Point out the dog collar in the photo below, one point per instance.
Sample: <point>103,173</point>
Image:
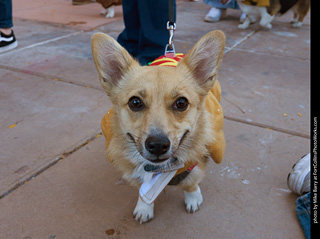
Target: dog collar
<point>181,176</point>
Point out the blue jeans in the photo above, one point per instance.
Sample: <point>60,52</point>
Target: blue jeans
<point>145,35</point>
<point>6,14</point>
<point>217,4</point>
<point>303,209</point>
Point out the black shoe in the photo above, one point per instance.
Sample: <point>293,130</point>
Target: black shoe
<point>7,42</point>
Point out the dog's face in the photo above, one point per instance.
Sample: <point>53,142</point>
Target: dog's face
<point>157,111</point>
<point>158,107</point>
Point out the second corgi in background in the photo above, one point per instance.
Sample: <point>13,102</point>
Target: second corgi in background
<point>266,10</point>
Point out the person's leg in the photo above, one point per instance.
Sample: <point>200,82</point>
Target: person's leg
<point>7,38</point>
<point>154,35</point>
<point>219,10</point>
<point>6,15</point>
<point>299,182</point>
<point>129,37</point>
<point>303,205</point>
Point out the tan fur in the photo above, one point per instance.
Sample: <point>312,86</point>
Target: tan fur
<point>300,8</point>
<point>108,6</point>
<point>109,3</point>
<point>159,87</point>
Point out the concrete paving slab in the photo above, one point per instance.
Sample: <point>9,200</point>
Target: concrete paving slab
<point>191,29</point>
<point>188,33</point>
<point>275,86</point>
<point>267,89</point>
<point>82,196</point>
<point>79,195</point>
<point>67,58</point>
<point>40,120</point>
<point>30,32</point>
<point>84,17</point>
<point>281,40</point>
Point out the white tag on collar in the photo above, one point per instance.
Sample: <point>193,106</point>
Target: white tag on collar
<point>150,190</point>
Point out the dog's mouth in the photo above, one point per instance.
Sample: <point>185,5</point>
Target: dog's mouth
<point>161,167</point>
<point>131,138</point>
<point>161,162</point>
<point>158,160</point>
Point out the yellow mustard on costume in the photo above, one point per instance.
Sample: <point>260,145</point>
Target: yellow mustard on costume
<point>258,3</point>
<point>216,148</point>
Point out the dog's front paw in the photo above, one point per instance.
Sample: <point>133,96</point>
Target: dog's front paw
<point>296,24</point>
<point>143,212</point>
<point>110,15</point>
<point>266,26</point>
<point>269,26</point>
<point>110,12</point>
<point>193,200</point>
<point>243,26</point>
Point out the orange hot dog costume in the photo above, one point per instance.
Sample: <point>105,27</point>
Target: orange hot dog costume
<point>258,3</point>
<point>216,149</point>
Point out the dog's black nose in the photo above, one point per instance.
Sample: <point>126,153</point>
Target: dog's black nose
<point>157,144</point>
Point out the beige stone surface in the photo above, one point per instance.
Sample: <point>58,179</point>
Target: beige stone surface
<point>84,17</point>
<point>83,196</point>
<point>54,179</point>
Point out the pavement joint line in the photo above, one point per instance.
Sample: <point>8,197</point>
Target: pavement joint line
<point>48,77</point>
<point>92,138</point>
<point>269,127</point>
<point>250,34</point>
<point>41,43</point>
<point>234,104</point>
<point>269,54</point>
<point>49,165</point>
<point>227,49</point>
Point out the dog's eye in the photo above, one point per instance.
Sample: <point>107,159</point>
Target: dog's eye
<point>181,104</point>
<point>135,103</point>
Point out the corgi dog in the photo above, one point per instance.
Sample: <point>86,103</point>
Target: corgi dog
<point>162,115</point>
<point>108,6</point>
<point>266,10</point>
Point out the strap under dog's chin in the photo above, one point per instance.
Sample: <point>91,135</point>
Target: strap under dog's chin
<point>152,168</point>
<point>173,165</point>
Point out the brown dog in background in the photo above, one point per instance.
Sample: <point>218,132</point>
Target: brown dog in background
<point>108,6</point>
<point>255,9</point>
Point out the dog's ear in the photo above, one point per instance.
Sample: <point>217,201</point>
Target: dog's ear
<point>204,59</point>
<point>112,60</point>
